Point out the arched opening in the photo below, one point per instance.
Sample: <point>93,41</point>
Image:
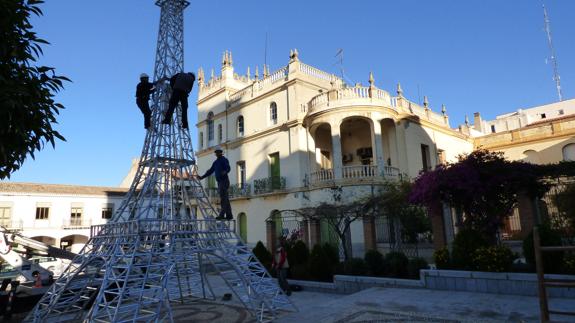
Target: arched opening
<point>569,152</point>
<point>243,226</point>
<point>46,240</point>
<point>210,123</point>
<point>73,243</point>
<point>389,142</point>
<point>273,113</point>
<point>277,218</point>
<point>240,126</point>
<point>323,168</point>
<point>531,156</point>
<point>357,148</point>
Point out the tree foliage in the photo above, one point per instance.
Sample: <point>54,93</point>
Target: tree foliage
<point>393,201</point>
<point>27,106</point>
<point>483,184</point>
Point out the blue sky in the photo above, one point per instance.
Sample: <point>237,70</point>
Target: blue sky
<point>475,55</point>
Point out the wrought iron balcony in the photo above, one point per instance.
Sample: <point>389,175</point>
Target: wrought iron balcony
<point>269,184</point>
<point>240,190</point>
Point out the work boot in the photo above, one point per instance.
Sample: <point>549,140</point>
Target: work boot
<point>219,217</point>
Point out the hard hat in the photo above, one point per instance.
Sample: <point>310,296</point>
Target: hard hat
<point>144,75</point>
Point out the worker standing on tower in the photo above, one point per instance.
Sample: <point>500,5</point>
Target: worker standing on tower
<point>221,167</point>
<point>181,84</point>
<point>143,92</point>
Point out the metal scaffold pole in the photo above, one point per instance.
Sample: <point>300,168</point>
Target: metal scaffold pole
<point>163,238</point>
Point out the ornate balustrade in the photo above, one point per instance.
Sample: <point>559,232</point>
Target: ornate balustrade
<point>342,97</point>
<point>269,184</point>
<point>240,190</point>
<point>355,172</point>
<point>321,175</point>
<point>359,171</point>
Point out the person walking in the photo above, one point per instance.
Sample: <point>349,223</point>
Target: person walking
<point>181,84</point>
<point>281,266</point>
<point>221,168</point>
<point>143,91</point>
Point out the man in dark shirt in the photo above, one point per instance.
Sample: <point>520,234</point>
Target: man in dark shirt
<point>221,168</point>
<point>181,84</point>
<point>143,92</point>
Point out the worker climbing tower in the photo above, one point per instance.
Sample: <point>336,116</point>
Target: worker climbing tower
<point>163,239</point>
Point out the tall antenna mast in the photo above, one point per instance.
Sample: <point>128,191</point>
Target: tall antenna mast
<point>553,58</point>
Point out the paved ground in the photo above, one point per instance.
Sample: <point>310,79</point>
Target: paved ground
<point>419,305</point>
<point>377,305</point>
<point>385,305</point>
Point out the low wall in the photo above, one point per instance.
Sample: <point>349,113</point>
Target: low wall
<point>465,281</point>
<point>494,283</point>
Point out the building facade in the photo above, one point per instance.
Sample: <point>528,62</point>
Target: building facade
<point>294,135</point>
<point>59,215</point>
<point>299,136</point>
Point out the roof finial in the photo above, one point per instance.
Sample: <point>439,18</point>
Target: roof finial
<point>230,59</point>
<point>257,75</point>
<point>213,74</point>
<point>248,74</point>
<point>425,102</point>
<point>466,120</point>
<point>399,89</point>
<point>443,109</point>
<point>371,80</point>
<point>200,75</point>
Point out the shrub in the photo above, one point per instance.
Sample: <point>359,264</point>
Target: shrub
<point>464,245</point>
<point>569,264</point>
<point>320,265</point>
<point>396,265</point>
<point>414,266</point>
<point>441,258</point>
<point>332,253</point>
<point>374,262</point>
<point>263,255</point>
<point>552,261</point>
<point>354,267</point>
<point>298,254</point>
<point>493,259</point>
<point>299,271</point>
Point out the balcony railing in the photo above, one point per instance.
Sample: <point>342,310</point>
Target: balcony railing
<point>359,171</point>
<point>12,224</point>
<point>77,223</point>
<point>321,175</point>
<point>270,184</point>
<point>355,172</point>
<point>240,190</point>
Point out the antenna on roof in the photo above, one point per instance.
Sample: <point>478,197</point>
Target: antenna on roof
<point>553,58</point>
<point>266,51</point>
<point>339,56</point>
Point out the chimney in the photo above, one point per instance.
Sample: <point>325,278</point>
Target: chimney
<point>477,122</point>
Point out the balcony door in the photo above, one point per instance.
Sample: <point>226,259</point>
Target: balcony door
<point>275,170</point>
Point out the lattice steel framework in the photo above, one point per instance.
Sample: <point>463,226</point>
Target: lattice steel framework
<point>163,237</point>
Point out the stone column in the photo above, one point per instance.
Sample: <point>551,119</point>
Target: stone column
<point>271,235</point>
<point>437,226</point>
<point>369,237</point>
<point>305,231</point>
<point>314,233</point>
<point>527,215</point>
<point>378,157</point>
<point>336,149</point>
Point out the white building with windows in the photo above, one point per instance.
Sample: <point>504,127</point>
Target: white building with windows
<point>297,137</point>
<point>59,215</point>
<point>294,135</point>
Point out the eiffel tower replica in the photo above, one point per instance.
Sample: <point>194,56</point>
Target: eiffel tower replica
<point>163,239</point>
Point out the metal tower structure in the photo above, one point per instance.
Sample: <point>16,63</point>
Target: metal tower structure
<point>163,239</point>
<point>553,57</point>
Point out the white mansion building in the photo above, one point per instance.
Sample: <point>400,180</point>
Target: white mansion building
<point>299,136</point>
